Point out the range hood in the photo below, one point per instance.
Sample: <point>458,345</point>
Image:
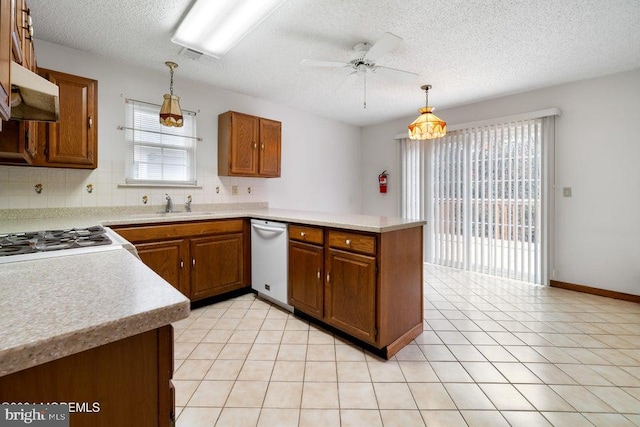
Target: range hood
<point>33,97</point>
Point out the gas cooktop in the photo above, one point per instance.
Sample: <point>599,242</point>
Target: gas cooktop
<point>52,240</point>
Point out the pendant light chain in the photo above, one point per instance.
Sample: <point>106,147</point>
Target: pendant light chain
<point>171,83</point>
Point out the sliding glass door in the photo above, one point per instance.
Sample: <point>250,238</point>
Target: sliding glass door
<point>481,191</point>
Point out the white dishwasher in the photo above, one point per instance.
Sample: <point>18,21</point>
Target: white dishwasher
<point>269,266</point>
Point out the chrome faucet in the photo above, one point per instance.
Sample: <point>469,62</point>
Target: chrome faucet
<point>188,204</point>
<point>169,207</point>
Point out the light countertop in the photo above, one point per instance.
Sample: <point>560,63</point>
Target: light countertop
<point>369,223</point>
<point>51,308</point>
<point>375,224</point>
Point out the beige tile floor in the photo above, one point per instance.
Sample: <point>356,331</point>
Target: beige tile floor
<point>494,352</point>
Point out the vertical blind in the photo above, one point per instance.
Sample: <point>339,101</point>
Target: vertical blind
<point>157,154</point>
<point>481,190</point>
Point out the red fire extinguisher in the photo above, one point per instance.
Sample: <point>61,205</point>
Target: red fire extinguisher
<point>382,180</point>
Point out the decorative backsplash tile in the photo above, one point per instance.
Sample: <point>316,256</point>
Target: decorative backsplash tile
<point>69,188</point>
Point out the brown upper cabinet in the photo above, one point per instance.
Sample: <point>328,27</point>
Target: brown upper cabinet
<point>248,145</point>
<point>5,59</point>
<point>73,141</point>
<point>16,44</point>
<point>70,143</point>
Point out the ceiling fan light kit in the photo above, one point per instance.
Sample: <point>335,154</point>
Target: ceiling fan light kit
<point>214,27</point>
<point>427,125</point>
<point>170,112</point>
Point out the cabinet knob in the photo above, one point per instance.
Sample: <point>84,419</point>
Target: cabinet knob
<point>255,145</point>
<point>348,242</point>
<point>181,264</point>
<point>328,277</point>
<point>319,274</point>
<point>262,146</point>
<point>302,234</point>
<point>193,262</point>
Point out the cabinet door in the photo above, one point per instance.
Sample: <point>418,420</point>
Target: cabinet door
<point>244,144</point>
<point>73,141</point>
<point>167,258</point>
<point>17,6</point>
<point>306,290</point>
<point>18,142</point>
<point>28,52</point>
<point>270,141</point>
<point>216,265</point>
<point>5,59</point>
<point>351,294</point>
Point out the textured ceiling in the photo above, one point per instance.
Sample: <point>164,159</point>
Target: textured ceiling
<point>469,50</point>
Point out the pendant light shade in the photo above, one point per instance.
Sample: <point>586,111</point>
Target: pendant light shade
<point>170,112</point>
<point>427,125</point>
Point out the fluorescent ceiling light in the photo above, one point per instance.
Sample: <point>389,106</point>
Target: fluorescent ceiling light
<point>213,27</point>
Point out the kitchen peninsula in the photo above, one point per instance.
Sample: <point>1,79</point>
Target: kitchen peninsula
<point>104,317</point>
<point>360,275</point>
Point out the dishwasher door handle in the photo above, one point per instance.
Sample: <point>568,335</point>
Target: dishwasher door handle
<point>271,229</point>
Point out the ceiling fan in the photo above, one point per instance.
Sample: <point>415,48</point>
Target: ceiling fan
<point>363,60</point>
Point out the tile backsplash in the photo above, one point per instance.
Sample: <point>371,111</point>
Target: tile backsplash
<point>59,188</point>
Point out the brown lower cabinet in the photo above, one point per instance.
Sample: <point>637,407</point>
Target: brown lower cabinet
<point>367,285</point>
<point>351,293</point>
<point>123,383</point>
<point>166,258</point>
<point>200,259</point>
<point>306,281</point>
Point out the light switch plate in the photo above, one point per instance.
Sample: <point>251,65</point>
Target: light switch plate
<point>234,190</point>
<point>566,192</point>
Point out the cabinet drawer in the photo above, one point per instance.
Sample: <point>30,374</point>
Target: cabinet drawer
<point>352,242</point>
<point>145,233</point>
<point>306,234</point>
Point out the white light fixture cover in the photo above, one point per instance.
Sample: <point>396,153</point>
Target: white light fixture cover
<point>213,27</point>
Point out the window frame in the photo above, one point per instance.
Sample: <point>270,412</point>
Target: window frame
<point>144,132</point>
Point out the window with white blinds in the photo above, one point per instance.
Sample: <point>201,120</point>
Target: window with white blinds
<point>482,192</point>
<point>157,154</point>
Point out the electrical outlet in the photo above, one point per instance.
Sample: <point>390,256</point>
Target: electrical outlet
<point>234,190</point>
<point>566,192</point>
<point>249,190</point>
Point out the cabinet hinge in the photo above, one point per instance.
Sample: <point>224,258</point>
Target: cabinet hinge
<point>26,135</point>
<point>376,268</point>
<point>375,333</point>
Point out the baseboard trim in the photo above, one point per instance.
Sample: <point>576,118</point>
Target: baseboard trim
<point>595,291</point>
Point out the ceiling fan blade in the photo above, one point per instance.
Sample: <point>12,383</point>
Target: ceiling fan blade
<point>330,64</point>
<point>351,77</point>
<point>384,44</point>
<point>395,73</point>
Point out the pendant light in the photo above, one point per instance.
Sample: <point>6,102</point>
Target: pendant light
<point>170,113</point>
<point>427,125</point>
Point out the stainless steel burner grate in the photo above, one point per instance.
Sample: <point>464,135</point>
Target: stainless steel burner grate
<point>52,240</point>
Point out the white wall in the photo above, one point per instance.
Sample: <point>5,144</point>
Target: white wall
<point>597,231</point>
<point>320,157</point>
